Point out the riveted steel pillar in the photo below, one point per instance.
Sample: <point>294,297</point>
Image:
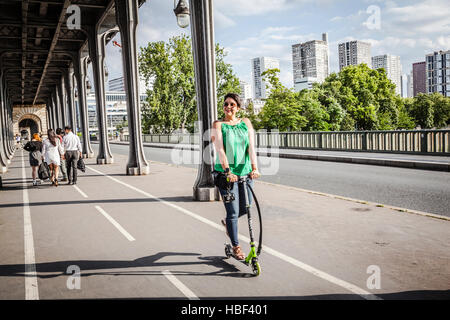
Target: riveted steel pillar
<point>11,145</point>
<point>127,20</point>
<point>3,157</point>
<point>52,105</point>
<point>7,122</point>
<point>97,56</point>
<point>57,107</point>
<point>202,30</point>
<point>62,103</point>
<point>80,70</point>
<point>3,116</point>
<point>68,84</point>
<point>49,116</point>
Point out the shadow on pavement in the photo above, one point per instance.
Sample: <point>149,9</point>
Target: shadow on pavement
<point>59,268</point>
<point>401,295</point>
<point>80,202</point>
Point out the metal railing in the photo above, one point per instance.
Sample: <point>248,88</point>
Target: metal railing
<point>431,142</point>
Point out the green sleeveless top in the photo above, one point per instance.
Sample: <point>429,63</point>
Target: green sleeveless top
<point>236,143</point>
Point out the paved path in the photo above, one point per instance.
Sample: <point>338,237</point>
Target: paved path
<point>422,190</point>
<point>143,237</point>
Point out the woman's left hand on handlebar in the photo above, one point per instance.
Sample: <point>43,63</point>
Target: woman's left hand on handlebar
<point>255,174</point>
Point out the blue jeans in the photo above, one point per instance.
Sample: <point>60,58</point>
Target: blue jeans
<point>236,208</point>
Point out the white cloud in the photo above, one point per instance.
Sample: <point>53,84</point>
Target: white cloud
<point>222,21</point>
<point>256,7</point>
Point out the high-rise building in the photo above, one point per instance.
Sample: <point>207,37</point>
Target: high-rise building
<point>259,65</point>
<point>116,84</point>
<point>310,62</point>
<point>391,64</point>
<point>116,109</point>
<point>409,85</point>
<point>354,53</point>
<point>403,86</point>
<point>246,90</point>
<point>419,78</point>
<point>437,72</point>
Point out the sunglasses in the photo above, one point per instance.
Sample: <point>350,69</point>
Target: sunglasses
<point>231,104</point>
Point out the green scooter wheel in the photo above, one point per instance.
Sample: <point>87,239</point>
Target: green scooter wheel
<point>256,268</point>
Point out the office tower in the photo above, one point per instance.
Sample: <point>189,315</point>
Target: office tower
<point>409,85</point>
<point>354,53</point>
<point>391,64</point>
<point>403,80</point>
<point>116,84</point>
<point>246,90</point>
<point>116,109</point>
<point>310,62</point>
<point>437,72</point>
<point>419,78</point>
<point>259,65</point>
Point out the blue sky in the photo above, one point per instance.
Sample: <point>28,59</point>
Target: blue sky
<point>253,28</point>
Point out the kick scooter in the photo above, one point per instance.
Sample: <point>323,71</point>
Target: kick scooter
<point>252,258</point>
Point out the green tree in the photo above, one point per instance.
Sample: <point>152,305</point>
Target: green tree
<point>441,114</point>
<point>405,121</point>
<point>226,80</point>
<point>168,71</point>
<point>366,95</point>
<point>283,109</point>
<point>422,110</point>
<point>156,66</point>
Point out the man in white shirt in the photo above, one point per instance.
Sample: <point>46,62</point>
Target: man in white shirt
<point>72,145</point>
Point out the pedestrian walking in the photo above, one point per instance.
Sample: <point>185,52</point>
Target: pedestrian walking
<point>18,138</point>
<point>34,147</point>
<point>52,149</point>
<point>60,134</point>
<point>72,145</point>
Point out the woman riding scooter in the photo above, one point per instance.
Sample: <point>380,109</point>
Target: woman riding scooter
<point>234,142</point>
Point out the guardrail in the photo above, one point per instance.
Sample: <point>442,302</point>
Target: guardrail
<point>431,142</point>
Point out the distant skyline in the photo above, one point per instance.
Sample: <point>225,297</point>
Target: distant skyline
<point>256,28</point>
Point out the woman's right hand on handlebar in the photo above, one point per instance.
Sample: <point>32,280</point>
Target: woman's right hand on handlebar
<point>232,177</point>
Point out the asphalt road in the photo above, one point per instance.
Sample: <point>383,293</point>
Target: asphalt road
<point>119,236</point>
<point>422,190</point>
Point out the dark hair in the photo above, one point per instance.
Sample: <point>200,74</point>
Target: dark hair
<point>58,131</point>
<point>233,96</point>
<point>67,128</point>
<point>51,136</point>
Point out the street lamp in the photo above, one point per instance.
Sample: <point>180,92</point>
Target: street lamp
<point>182,13</point>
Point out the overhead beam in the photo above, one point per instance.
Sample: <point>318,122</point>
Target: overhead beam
<point>53,44</point>
<point>24,42</point>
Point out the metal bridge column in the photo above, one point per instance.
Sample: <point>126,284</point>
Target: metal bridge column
<point>205,84</point>
<point>80,69</point>
<point>97,56</point>
<point>127,20</point>
<point>68,84</point>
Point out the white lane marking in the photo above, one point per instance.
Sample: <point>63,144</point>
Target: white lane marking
<point>31,284</point>
<point>81,192</point>
<point>180,286</point>
<point>115,224</point>
<point>319,273</point>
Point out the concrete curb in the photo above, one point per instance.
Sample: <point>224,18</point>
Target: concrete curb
<point>423,165</point>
